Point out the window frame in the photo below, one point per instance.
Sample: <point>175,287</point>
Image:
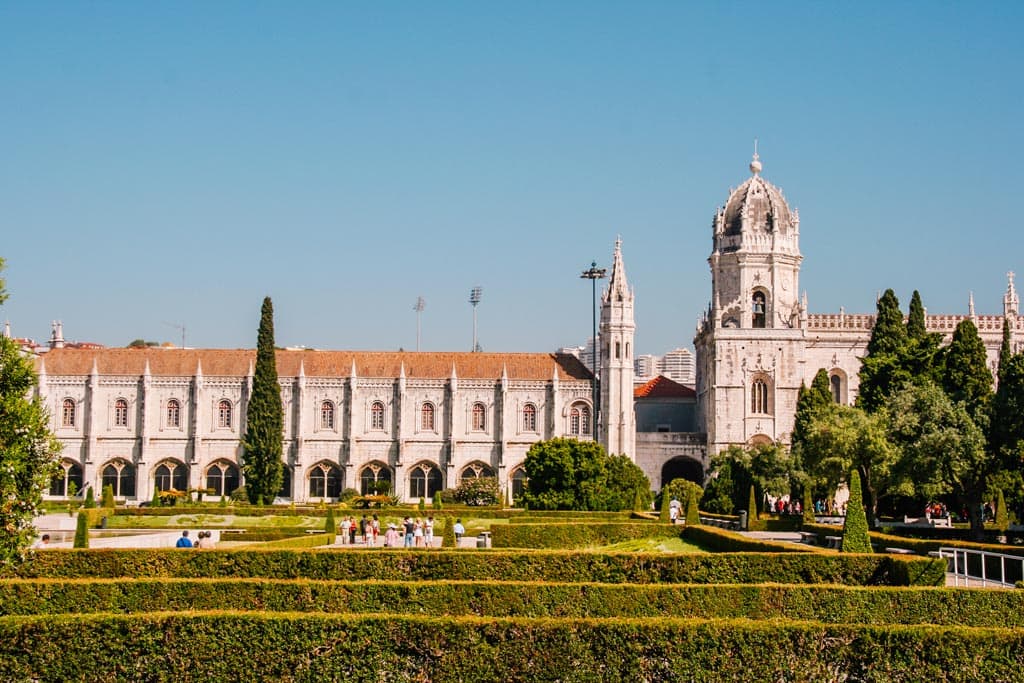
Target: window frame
<point>478,417</point>
<point>172,414</point>
<point>377,412</point>
<point>529,417</point>
<point>121,413</point>
<point>225,414</point>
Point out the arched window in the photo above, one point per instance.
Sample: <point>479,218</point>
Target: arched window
<point>529,418</point>
<point>174,413</point>
<point>375,479</point>
<point>837,388</point>
<point>170,475</point>
<point>67,413</point>
<point>120,476</point>
<point>479,417</point>
<point>224,414</point>
<point>518,483</point>
<point>759,397</point>
<point>120,413</point>
<point>579,419</point>
<point>427,417</point>
<point>759,310</point>
<point>377,415</point>
<point>221,478</point>
<point>68,479</point>
<point>325,480</point>
<point>424,480</point>
<point>476,470</point>
<point>326,415</point>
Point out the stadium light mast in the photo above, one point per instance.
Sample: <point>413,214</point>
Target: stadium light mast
<point>594,274</point>
<point>420,305</point>
<point>475,295</point>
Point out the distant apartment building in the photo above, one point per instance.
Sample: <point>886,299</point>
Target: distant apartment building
<point>678,365</point>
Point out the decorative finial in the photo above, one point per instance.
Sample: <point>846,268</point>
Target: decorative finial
<point>755,163</point>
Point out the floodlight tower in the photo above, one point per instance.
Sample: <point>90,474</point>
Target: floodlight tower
<point>474,298</point>
<point>594,274</point>
<point>420,305</point>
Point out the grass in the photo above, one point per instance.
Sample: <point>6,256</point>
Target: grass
<point>653,545</point>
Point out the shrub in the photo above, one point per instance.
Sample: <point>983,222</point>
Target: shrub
<point>239,495</point>
<point>108,496</point>
<point>156,501</point>
<point>692,499</point>
<point>329,524</point>
<point>90,500</point>
<point>808,504</point>
<point>422,505</point>
<point>665,515</point>
<point>348,494</point>
<point>478,491</point>
<point>855,526</point>
<point>1002,519</point>
<point>448,534</point>
<point>82,531</point>
<point>436,503</point>
<point>576,535</point>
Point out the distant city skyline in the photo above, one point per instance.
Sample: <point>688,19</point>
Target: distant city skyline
<point>169,165</point>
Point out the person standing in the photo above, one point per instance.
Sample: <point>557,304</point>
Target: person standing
<point>410,531</point>
<point>428,532</point>
<point>459,530</point>
<point>346,524</point>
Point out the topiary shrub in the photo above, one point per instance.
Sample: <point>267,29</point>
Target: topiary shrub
<point>448,533</point>
<point>157,501</point>
<point>692,503</point>
<point>437,503</point>
<point>665,515</point>
<point>855,528</point>
<point>808,504</point>
<point>82,531</point>
<point>1002,519</point>
<point>329,524</point>
<point>108,497</point>
<point>422,505</point>
<point>90,501</point>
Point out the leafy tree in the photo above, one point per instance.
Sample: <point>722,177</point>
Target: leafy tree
<point>436,502</point>
<point>966,377</point>
<point>810,403</point>
<point>719,491</point>
<point>941,447</point>
<point>82,531</point>
<point>28,450</point>
<point>921,357</point>
<point>855,527</point>
<point>567,474</point>
<point>478,491</point>
<point>769,467</point>
<point>848,438</point>
<point>681,490</point>
<point>108,496</point>
<point>264,470</point>
<point>883,369</point>
<point>422,505</point>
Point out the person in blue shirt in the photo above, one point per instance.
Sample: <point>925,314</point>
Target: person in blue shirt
<point>184,541</point>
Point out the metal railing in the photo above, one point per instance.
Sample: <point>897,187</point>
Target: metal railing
<point>979,566</point>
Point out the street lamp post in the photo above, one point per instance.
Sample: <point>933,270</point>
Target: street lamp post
<point>420,305</point>
<point>475,295</point>
<point>594,274</point>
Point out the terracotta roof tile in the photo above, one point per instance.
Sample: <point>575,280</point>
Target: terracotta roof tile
<point>236,362</point>
<point>663,387</point>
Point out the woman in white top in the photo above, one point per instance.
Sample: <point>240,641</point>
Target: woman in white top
<point>417,533</point>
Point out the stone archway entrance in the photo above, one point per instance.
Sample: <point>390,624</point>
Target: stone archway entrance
<point>682,467</point>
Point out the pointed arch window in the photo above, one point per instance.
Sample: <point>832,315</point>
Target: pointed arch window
<point>326,415</point>
<point>67,413</point>
<point>424,480</point>
<point>120,413</point>
<point>377,415</point>
<point>174,414</point>
<point>171,475</point>
<point>579,419</point>
<point>68,479</point>
<point>518,483</point>
<point>479,422</point>
<point>224,414</point>
<point>759,397</point>
<point>529,418</point>
<point>120,476</point>
<point>325,480</point>
<point>375,479</point>
<point>222,478</point>
<point>759,308</point>
<point>427,417</point>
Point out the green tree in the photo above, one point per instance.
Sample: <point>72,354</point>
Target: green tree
<point>82,531</point>
<point>108,497</point>
<point>915,319</point>
<point>1006,428</point>
<point>966,377</point>
<point>478,491</point>
<point>941,447</point>
<point>855,526</point>
<point>156,501</point>
<point>720,491</point>
<point>28,450</point>
<point>567,474</point>
<point>810,403</point>
<point>264,470</point>
<point>848,438</point>
<point>883,369</point>
<point>1005,351</point>
<point>769,467</point>
<point>921,357</point>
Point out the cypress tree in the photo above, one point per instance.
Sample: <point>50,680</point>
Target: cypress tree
<point>915,320</point>
<point>82,531</point>
<point>966,377</point>
<point>264,470</point>
<point>883,369</point>
<point>1004,349</point>
<point>108,496</point>
<point>855,528</point>
<point>1006,429</point>
<point>810,403</point>
<point>448,534</point>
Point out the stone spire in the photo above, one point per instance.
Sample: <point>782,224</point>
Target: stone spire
<point>57,335</point>
<point>618,286</point>
<point>1011,303</point>
<point>970,306</point>
<point>7,329</point>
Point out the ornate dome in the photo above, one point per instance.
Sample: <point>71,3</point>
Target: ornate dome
<point>757,206</point>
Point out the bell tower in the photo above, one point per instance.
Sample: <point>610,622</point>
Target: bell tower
<point>617,421</point>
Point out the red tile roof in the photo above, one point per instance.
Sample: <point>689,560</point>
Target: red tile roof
<point>663,387</point>
<point>235,363</point>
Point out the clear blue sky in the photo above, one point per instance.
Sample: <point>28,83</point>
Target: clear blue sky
<point>175,162</point>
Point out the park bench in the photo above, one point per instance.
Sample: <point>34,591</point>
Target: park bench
<point>834,542</point>
<point>900,551</point>
<point>809,537</point>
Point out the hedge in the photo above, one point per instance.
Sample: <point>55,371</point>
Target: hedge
<point>576,534</point>
<point>509,565</point>
<point>830,604</point>
<point>299,647</point>
<point>721,540</point>
<point>307,541</point>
